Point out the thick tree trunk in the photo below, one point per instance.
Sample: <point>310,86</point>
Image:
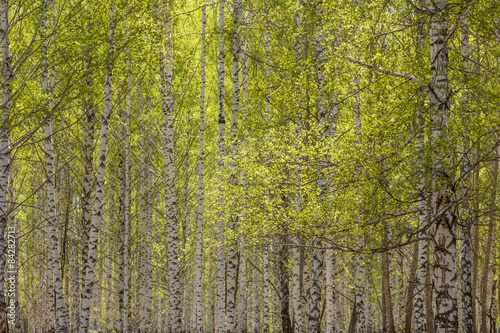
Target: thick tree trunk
<point>423,209</point>
<point>221,270</point>
<point>5,149</point>
<point>86,306</point>
<point>88,152</point>
<point>174,286</point>
<point>265,247</point>
<point>234,219</point>
<point>60,306</point>
<point>330,265</point>
<point>443,205</point>
<point>315,304</point>
<point>466,224</point>
<point>483,298</point>
<point>242,280</point>
<point>298,265</point>
<point>198,303</point>
<point>475,249</point>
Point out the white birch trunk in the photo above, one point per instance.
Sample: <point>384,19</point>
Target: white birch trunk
<point>146,224</point>
<point>265,247</point>
<point>221,269</point>
<point>298,265</point>
<point>423,214</point>
<point>467,214</point>
<point>99,195</point>
<point>242,239</point>
<point>174,286</point>
<point>198,302</point>
<point>265,289</point>
<point>7,76</point>
<point>444,209</point>
<point>125,312</point>
<point>329,291</point>
<point>234,220</point>
<point>88,152</point>
<point>317,259</point>
<point>359,264</point>
<point>53,246</point>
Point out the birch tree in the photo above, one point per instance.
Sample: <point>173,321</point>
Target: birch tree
<point>423,210</point>
<point>5,149</point>
<point>298,264</point>
<point>317,259</point>
<point>199,214</point>
<point>99,194</point>
<point>124,200</point>
<point>60,307</point>
<point>443,205</point>
<point>174,287</point>
<point>221,259</point>
<point>466,250</point>
<point>234,218</point>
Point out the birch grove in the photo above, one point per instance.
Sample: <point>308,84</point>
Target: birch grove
<point>258,166</point>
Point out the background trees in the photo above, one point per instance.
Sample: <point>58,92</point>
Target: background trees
<point>349,186</point>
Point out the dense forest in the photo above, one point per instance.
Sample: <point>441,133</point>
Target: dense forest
<point>250,166</point>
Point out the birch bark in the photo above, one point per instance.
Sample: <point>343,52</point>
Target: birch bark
<point>5,149</point>
<point>483,328</point>
<point>265,247</point>
<point>466,224</point>
<point>232,255</point>
<point>199,215</point>
<point>297,282</point>
<point>174,287</point>
<point>443,206</point>
<point>386,290</point>
<point>423,211</point>
<point>242,280</point>
<point>60,306</point>
<point>323,127</point>
<point>221,273</point>
<point>147,219</point>
<point>99,196</point>
<point>124,180</point>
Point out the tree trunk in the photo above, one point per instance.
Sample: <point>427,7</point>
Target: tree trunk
<point>86,306</point>
<point>124,176</point>
<point>234,219</point>
<point>265,289</point>
<point>199,215</point>
<point>487,250</point>
<point>466,224</point>
<point>174,287</point>
<point>48,90</point>
<point>423,211</point>
<point>5,149</point>
<point>387,281</point>
<point>411,289</point>
<point>221,270</point>
<point>315,304</point>
<point>443,206</point>
<point>298,265</point>
<point>242,239</point>
<point>475,249</point>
